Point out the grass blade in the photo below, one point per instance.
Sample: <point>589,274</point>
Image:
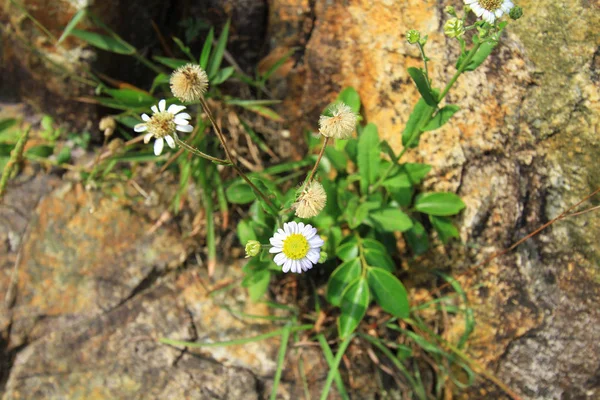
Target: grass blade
<point>72,24</point>
<point>285,335</point>
<point>329,357</point>
<point>217,57</point>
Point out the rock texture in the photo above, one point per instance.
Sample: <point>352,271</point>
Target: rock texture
<point>521,150</point>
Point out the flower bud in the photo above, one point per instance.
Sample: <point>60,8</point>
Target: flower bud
<point>413,36</point>
<point>107,125</point>
<point>515,13</point>
<point>454,28</point>
<point>322,257</point>
<point>450,10</point>
<point>252,248</point>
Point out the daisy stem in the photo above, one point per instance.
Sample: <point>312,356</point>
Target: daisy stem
<point>198,152</point>
<point>425,59</point>
<point>314,170</point>
<point>231,160</point>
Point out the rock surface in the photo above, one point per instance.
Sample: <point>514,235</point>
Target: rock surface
<point>521,150</point>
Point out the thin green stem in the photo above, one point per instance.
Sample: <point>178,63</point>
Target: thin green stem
<point>211,243</point>
<point>198,152</point>
<point>415,134</point>
<point>333,368</point>
<point>425,59</point>
<point>237,169</point>
<point>285,335</point>
<point>236,341</point>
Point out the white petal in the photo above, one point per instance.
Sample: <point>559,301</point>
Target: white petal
<point>477,9</point>
<point>181,121</point>
<point>161,105</point>
<point>275,249</point>
<point>287,265</point>
<point>499,13</point>
<point>184,128</point>
<point>154,109</point>
<point>175,108</point>
<point>145,117</point>
<point>316,242</point>
<point>184,116</point>
<point>170,141</point>
<point>507,6</point>
<point>279,259</point>
<point>293,266</point>
<point>287,228</point>
<point>147,137</point>
<point>276,242</point>
<point>279,236</point>
<point>312,232</point>
<point>158,146</point>
<point>140,128</point>
<point>313,255</point>
<point>298,267</point>
<point>300,227</point>
<point>282,232</point>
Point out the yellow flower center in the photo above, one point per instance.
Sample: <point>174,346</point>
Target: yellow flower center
<point>161,124</point>
<point>490,5</point>
<point>295,246</point>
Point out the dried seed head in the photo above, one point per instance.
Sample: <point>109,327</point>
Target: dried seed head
<point>108,126</point>
<point>189,83</point>
<point>340,125</point>
<point>311,202</point>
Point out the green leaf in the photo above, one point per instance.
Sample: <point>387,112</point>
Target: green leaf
<point>368,156</point>
<point>172,63</point>
<point>348,249</point>
<point>338,158</point>
<point>418,76</point>
<point>103,42</point>
<point>184,48</point>
<point>223,75</point>
<point>351,98</point>
<point>416,171</point>
<point>361,213</point>
<point>444,228</point>
<point>245,232</point>
<point>376,258</point>
<point>440,204</point>
<point>391,219</point>
<point>257,284</point>
<point>417,119</point>
<point>206,49</point>
<point>131,97</point>
<point>240,193</point>
<point>340,278</point>
<point>352,149</point>
<point>214,63</point>
<point>355,301</point>
<point>277,65</point>
<point>441,117</point>
<point>41,151</point>
<point>72,24</point>
<point>160,79</point>
<point>417,238</point>
<point>482,54</point>
<point>7,123</point>
<point>374,245</point>
<point>388,292</point>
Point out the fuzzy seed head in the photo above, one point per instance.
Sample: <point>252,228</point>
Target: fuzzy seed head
<point>161,124</point>
<point>189,83</point>
<point>311,202</point>
<point>340,125</point>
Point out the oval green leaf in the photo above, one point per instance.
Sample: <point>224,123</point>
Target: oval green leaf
<point>376,258</point>
<point>368,156</point>
<point>388,292</point>
<point>348,249</point>
<point>420,80</point>
<point>391,219</point>
<point>340,278</point>
<point>355,301</point>
<point>240,193</point>
<point>441,204</point>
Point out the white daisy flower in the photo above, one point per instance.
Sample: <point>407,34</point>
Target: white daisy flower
<point>298,247</point>
<point>490,10</point>
<point>163,125</point>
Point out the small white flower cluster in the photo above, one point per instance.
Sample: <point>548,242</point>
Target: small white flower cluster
<point>163,125</point>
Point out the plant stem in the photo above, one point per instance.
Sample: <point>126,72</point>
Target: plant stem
<point>425,62</point>
<point>415,135</point>
<point>231,160</point>
<point>328,354</point>
<point>320,156</point>
<point>333,369</point>
<point>198,152</point>
<point>210,222</point>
